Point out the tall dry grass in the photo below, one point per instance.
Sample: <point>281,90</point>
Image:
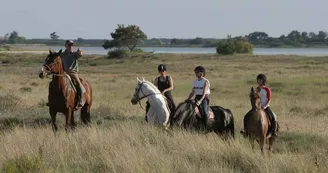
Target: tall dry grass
<point>119,141</point>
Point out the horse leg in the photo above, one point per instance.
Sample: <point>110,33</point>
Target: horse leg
<point>85,114</point>
<point>271,140</point>
<point>68,116</point>
<point>262,143</point>
<point>252,141</point>
<point>73,124</point>
<point>53,119</point>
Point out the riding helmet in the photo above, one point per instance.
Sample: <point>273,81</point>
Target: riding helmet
<point>199,69</point>
<point>161,67</point>
<point>263,77</point>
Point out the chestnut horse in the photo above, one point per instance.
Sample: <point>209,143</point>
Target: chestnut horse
<point>258,123</point>
<point>62,95</point>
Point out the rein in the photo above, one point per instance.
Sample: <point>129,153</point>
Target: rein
<point>139,99</point>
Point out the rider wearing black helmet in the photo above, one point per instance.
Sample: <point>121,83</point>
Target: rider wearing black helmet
<point>201,90</point>
<point>165,84</point>
<point>265,99</point>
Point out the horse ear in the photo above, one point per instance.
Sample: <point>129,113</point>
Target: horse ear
<point>138,79</point>
<point>50,52</point>
<point>252,89</point>
<point>60,51</point>
<point>143,79</point>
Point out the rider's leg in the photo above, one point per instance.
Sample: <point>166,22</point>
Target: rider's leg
<point>273,119</point>
<point>204,111</point>
<point>79,86</point>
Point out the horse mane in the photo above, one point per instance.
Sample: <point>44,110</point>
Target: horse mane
<point>185,103</point>
<point>254,95</point>
<point>152,86</point>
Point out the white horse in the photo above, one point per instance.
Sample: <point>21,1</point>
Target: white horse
<point>159,112</point>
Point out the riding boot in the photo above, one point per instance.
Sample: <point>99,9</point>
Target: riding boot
<point>82,90</point>
<point>80,98</point>
<point>273,128</point>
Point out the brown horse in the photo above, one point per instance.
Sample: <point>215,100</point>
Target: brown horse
<point>62,93</point>
<point>258,123</point>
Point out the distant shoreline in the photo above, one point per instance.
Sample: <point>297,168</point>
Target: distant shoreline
<point>28,46</point>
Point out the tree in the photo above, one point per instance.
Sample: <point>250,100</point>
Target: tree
<point>54,36</point>
<point>322,36</point>
<point>257,37</point>
<point>294,36</point>
<point>125,37</point>
<point>13,37</point>
<point>196,41</point>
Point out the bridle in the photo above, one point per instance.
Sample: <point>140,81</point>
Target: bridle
<point>256,105</point>
<point>50,70</point>
<point>136,95</point>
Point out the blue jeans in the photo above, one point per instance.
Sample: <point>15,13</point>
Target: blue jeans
<point>203,108</point>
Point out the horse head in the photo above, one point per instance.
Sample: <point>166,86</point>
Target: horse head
<point>255,98</point>
<point>142,90</point>
<point>183,111</point>
<point>52,64</point>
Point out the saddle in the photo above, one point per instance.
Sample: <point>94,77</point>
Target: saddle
<point>210,113</point>
<point>72,82</point>
<point>73,85</point>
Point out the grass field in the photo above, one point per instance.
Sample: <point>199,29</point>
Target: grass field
<point>119,140</point>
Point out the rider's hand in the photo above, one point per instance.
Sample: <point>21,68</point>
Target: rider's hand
<point>198,102</point>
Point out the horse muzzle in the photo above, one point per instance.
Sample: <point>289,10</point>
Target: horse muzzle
<point>41,75</point>
<point>134,101</point>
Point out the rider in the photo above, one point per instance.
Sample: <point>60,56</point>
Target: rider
<point>165,85</point>
<point>265,99</point>
<point>70,64</point>
<point>201,88</point>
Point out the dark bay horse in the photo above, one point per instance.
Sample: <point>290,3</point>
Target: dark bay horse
<point>220,120</point>
<point>62,96</point>
<point>258,123</point>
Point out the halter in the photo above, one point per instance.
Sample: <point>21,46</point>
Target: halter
<point>136,95</point>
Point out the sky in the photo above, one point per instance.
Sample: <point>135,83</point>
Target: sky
<point>96,19</point>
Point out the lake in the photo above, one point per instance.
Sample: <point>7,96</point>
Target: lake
<point>192,50</point>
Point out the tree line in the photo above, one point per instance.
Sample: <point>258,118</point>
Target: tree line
<point>259,39</point>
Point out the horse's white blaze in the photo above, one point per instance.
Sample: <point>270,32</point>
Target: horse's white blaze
<point>41,69</point>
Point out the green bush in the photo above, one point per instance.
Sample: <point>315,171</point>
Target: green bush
<point>118,53</point>
<point>226,47</point>
<point>243,47</point>
<point>24,164</point>
<point>138,50</point>
<point>25,89</point>
<point>231,46</point>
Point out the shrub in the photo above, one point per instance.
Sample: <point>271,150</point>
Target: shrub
<point>226,47</point>
<point>230,46</point>
<point>117,53</point>
<point>8,102</point>
<point>24,164</point>
<point>243,47</point>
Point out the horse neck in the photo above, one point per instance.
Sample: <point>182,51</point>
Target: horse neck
<point>59,78</point>
<point>184,111</point>
<point>152,95</point>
